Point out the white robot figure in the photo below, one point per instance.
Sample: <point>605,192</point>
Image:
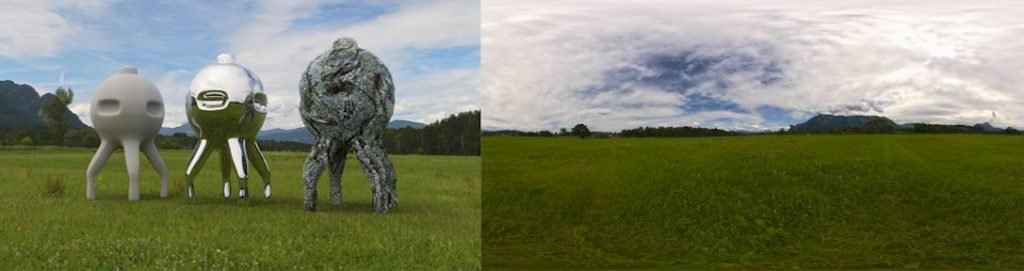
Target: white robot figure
<point>226,107</point>
<point>127,111</point>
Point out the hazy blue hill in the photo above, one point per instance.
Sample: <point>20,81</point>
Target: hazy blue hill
<point>824,123</point>
<point>20,104</point>
<point>300,134</point>
<point>184,128</point>
<point>399,124</point>
<point>986,128</point>
<point>832,123</point>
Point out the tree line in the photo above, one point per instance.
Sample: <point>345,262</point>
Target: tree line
<point>684,131</point>
<point>871,127</point>
<point>457,134</point>
<point>957,129</point>
<point>582,131</point>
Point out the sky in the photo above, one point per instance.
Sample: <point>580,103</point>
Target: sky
<point>749,65</point>
<point>432,48</point>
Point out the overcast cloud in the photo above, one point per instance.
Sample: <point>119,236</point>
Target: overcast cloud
<point>749,65</point>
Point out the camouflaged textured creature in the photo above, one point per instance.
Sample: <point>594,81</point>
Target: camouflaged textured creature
<point>347,99</point>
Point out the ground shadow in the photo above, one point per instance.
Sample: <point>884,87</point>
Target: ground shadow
<point>277,203</point>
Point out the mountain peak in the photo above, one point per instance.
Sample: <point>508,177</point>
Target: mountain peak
<point>826,122</point>
<point>986,127</point>
<point>20,105</point>
<point>399,124</point>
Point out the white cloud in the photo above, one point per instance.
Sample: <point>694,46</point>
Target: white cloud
<point>432,96</point>
<point>37,28</point>
<point>82,110</point>
<point>40,89</point>
<point>941,62</point>
<point>279,52</point>
<point>173,86</point>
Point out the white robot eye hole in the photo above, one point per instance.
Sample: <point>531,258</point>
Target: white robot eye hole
<point>108,107</point>
<point>155,109</point>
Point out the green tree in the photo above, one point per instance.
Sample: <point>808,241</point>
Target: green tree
<point>581,131</point>
<point>54,110</point>
<point>85,137</point>
<point>458,134</point>
<point>25,141</point>
<point>20,135</point>
<point>878,125</point>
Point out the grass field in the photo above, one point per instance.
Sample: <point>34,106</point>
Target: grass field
<point>435,226</point>
<point>755,202</point>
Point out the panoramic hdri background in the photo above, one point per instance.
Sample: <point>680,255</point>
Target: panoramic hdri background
<point>752,135</point>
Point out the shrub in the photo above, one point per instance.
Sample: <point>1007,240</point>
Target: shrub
<point>26,141</point>
<point>177,185</point>
<point>54,185</point>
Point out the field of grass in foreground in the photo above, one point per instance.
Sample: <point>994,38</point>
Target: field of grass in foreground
<point>755,202</point>
<point>435,226</point>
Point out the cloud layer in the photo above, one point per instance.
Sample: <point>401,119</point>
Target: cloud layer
<point>279,50</point>
<point>748,65</point>
<point>36,28</point>
<point>431,47</point>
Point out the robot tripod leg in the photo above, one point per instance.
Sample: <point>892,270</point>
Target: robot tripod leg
<point>199,156</point>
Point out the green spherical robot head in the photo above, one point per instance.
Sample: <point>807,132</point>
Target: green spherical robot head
<point>226,100</point>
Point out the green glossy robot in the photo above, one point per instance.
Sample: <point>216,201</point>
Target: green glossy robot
<point>226,107</point>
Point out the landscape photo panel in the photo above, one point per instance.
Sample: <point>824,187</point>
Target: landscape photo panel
<point>752,135</point>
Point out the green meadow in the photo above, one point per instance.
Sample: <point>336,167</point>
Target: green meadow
<point>46,222</point>
<point>755,202</point>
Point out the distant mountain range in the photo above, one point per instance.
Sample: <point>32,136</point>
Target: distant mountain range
<point>986,127</point>
<point>300,134</point>
<point>822,123</point>
<point>399,124</point>
<point>20,107</point>
<point>834,123</point>
<point>825,123</point>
